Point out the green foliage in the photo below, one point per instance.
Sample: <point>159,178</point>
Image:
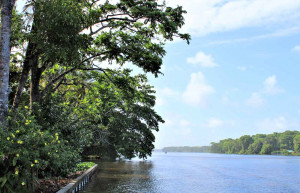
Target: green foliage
<point>124,111</point>
<point>29,151</point>
<point>17,37</point>
<point>286,140</point>
<point>255,147</point>
<point>76,106</point>
<point>82,166</point>
<point>245,142</point>
<point>286,143</point>
<point>266,149</point>
<point>297,143</point>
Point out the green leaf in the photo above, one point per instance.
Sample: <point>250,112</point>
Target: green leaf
<point>3,179</point>
<point>15,161</point>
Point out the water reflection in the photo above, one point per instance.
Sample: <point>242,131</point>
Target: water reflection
<point>123,176</point>
<point>199,173</point>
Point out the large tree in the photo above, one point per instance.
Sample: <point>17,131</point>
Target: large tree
<point>68,36</point>
<point>6,7</point>
<point>123,109</point>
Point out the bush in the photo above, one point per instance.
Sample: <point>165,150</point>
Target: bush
<point>84,166</point>
<point>29,152</point>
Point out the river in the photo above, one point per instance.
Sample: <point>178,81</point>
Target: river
<point>199,173</point>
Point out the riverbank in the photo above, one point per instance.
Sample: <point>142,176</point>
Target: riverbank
<point>279,153</point>
<point>53,185</point>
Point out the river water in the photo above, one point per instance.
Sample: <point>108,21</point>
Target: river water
<point>199,173</point>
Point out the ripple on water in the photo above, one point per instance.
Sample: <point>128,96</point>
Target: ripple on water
<point>199,173</point>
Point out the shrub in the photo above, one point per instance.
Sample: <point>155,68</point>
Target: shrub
<point>84,166</point>
<point>28,151</point>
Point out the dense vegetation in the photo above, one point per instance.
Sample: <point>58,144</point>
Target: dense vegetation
<point>286,143</point>
<point>64,101</point>
<point>84,166</point>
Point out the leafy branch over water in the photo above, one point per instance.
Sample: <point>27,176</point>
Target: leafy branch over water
<point>64,101</point>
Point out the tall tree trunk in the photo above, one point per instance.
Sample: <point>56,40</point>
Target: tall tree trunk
<point>28,62</point>
<point>36,73</point>
<point>6,16</point>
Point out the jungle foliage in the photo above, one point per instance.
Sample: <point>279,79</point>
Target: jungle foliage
<point>65,101</point>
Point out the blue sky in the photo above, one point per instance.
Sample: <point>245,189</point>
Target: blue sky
<point>239,75</point>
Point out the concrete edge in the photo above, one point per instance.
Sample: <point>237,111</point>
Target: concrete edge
<point>74,183</point>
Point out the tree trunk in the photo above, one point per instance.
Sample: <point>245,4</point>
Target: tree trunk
<point>28,62</point>
<point>36,73</point>
<point>6,16</point>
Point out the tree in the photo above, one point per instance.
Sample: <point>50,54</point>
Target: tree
<point>297,143</point>
<point>6,7</point>
<point>91,33</point>
<point>245,142</point>
<point>123,108</point>
<point>270,144</point>
<point>286,140</point>
<point>73,98</point>
<point>259,144</point>
<point>266,149</point>
<point>255,147</point>
<point>215,148</point>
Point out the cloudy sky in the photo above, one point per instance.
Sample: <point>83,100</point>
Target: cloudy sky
<point>240,74</point>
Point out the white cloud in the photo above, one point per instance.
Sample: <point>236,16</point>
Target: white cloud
<point>278,33</point>
<point>242,68</point>
<point>214,122</point>
<point>210,16</point>
<point>296,49</point>
<point>278,124</point>
<point>271,86</point>
<point>255,100</point>
<point>197,91</point>
<point>203,60</point>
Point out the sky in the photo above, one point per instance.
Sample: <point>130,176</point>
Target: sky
<point>238,76</point>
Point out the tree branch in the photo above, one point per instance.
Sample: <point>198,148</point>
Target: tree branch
<point>102,70</point>
<point>57,79</point>
<point>65,73</point>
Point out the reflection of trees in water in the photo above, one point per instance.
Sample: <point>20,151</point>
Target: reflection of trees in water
<point>123,176</point>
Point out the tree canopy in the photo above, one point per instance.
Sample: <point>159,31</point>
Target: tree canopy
<point>286,143</point>
<point>65,98</point>
<point>259,144</point>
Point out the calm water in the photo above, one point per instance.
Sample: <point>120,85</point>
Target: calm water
<point>199,172</point>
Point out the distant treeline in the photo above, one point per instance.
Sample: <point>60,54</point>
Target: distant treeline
<point>187,149</point>
<point>285,143</point>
